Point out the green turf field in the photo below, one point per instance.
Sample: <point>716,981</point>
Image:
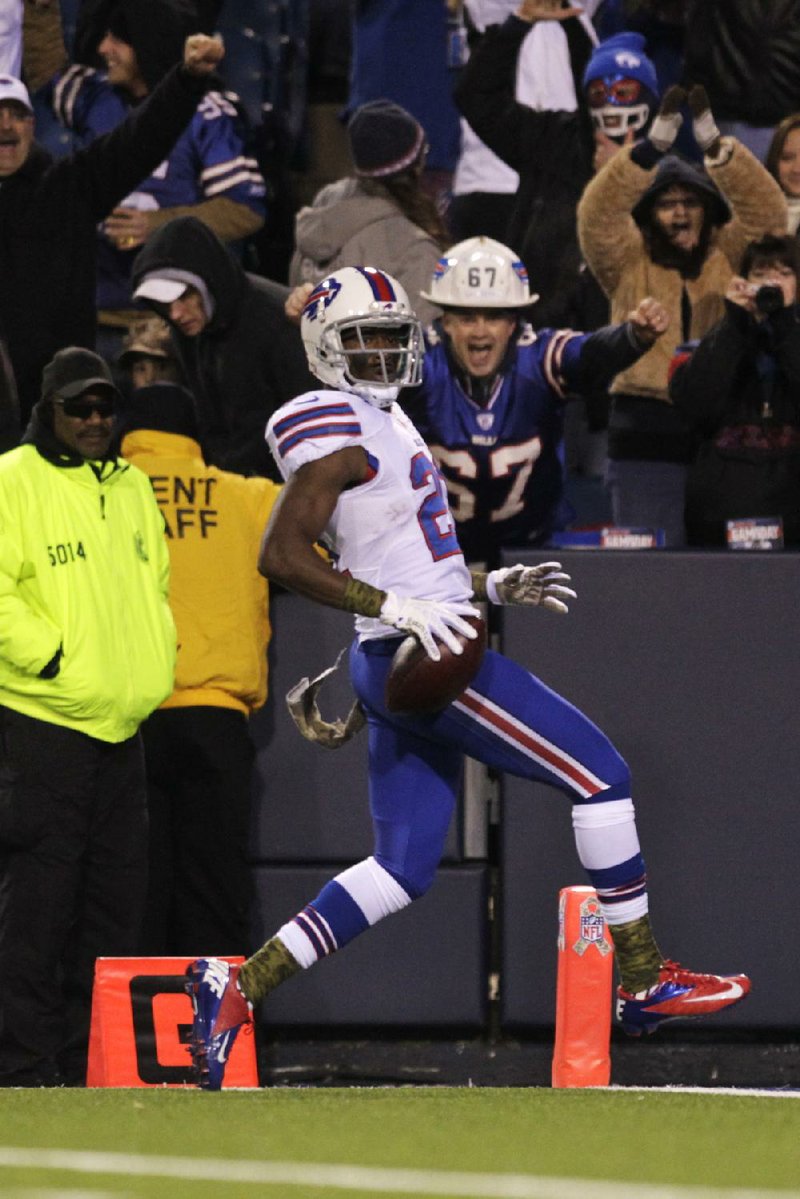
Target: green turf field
<point>496,1143</point>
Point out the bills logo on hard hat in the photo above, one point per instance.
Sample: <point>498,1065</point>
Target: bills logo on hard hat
<point>441,268</point>
<point>520,270</point>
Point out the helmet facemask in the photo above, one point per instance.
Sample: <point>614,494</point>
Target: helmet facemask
<point>375,372</point>
<point>619,103</point>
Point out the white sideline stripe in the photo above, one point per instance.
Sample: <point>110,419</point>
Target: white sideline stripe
<point>61,1193</point>
<point>760,1092</point>
<point>364,1178</point>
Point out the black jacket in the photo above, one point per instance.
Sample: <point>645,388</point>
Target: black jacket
<point>49,211</point>
<point>246,362</point>
<point>741,391</point>
<point>551,152</point>
<point>747,54</point>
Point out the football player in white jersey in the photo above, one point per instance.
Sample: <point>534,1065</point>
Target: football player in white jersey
<point>359,475</point>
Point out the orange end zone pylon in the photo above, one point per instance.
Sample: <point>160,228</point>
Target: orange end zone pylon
<point>582,1051</point>
<point>141,1020</point>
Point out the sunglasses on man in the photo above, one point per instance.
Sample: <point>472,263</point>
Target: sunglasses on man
<point>82,408</point>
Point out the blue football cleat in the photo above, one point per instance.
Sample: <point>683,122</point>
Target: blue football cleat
<point>220,1010</point>
<point>677,993</point>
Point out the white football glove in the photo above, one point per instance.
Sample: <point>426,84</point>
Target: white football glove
<point>542,584</point>
<point>427,620</point>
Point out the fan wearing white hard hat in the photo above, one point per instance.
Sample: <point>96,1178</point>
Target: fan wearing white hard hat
<point>482,288</point>
<point>492,397</point>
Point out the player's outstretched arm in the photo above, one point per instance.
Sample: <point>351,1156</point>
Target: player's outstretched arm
<point>533,586</point>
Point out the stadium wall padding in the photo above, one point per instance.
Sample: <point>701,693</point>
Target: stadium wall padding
<point>689,661</point>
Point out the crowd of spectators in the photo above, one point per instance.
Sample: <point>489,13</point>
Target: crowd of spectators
<point>495,124</point>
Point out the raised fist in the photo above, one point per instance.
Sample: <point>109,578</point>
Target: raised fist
<point>202,54</point>
<point>649,320</point>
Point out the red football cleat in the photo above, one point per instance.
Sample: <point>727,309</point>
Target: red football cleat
<point>678,993</point>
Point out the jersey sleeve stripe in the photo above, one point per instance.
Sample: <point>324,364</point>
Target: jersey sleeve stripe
<point>226,185</point>
<point>310,414</point>
<point>553,358</point>
<point>232,164</point>
<point>311,432</point>
<point>66,91</point>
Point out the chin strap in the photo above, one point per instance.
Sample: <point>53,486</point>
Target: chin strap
<point>382,397</point>
<point>302,703</point>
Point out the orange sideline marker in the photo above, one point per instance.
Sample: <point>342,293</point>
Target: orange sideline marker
<point>582,1055</point>
<point>141,1020</point>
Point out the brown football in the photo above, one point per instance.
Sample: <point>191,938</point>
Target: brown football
<point>416,685</point>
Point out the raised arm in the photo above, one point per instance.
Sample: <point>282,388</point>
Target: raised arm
<point>607,232</point>
<point>115,163</point>
<point>485,92</point>
<point>576,363</point>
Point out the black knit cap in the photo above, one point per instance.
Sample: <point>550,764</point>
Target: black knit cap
<point>384,139</point>
<point>74,371</point>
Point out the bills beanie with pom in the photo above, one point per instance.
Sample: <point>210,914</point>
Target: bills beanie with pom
<point>384,139</point>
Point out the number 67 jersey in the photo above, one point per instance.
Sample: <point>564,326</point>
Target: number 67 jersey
<point>501,458</point>
<point>395,529</point>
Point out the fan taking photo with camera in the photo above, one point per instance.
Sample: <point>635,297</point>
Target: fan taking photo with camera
<point>740,388</point>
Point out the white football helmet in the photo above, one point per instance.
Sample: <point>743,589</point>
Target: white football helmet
<point>357,301</point>
<point>480,273</point>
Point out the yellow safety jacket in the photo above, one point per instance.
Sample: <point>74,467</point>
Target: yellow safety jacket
<point>83,566</point>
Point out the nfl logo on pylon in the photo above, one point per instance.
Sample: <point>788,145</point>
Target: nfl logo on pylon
<point>593,928</point>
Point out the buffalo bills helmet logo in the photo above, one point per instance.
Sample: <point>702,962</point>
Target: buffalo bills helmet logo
<point>321,297</point>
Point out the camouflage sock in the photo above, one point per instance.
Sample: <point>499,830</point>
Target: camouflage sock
<point>638,956</point>
<point>270,965</point>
